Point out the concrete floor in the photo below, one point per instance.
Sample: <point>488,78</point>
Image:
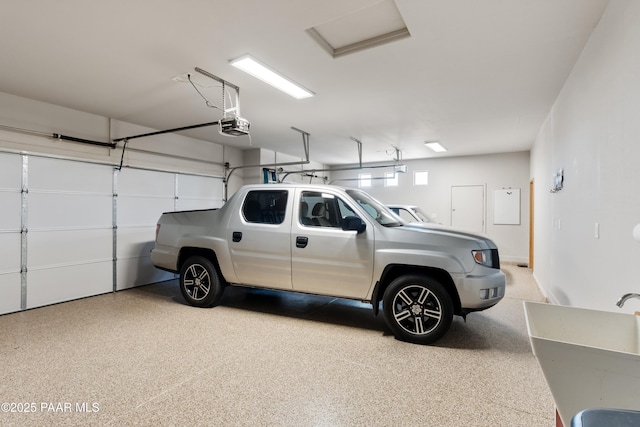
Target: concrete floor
<point>144,357</point>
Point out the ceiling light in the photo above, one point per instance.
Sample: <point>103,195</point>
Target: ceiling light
<point>249,65</point>
<point>435,146</point>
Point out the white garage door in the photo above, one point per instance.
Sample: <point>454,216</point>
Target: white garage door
<point>143,196</point>
<point>60,236</point>
<point>10,232</point>
<point>70,230</point>
<point>199,192</point>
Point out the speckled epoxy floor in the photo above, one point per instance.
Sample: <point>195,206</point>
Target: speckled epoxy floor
<point>143,357</point>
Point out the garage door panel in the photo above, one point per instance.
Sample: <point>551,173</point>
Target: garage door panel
<point>11,250</point>
<point>146,183</point>
<point>61,210</point>
<point>10,236</point>
<point>199,192</point>
<point>70,230</point>
<point>53,285</point>
<point>142,211</point>
<point>10,210</point>
<point>201,187</point>
<point>143,196</point>
<point>139,271</point>
<point>193,204</point>
<point>10,171</point>
<point>68,175</point>
<point>10,292</point>
<point>64,247</point>
<point>135,242</point>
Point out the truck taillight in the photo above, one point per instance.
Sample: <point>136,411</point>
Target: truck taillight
<point>157,230</point>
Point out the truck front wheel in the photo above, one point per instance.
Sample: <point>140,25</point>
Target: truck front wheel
<point>200,282</point>
<point>417,309</point>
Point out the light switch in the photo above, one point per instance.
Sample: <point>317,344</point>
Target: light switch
<point>597,230</point>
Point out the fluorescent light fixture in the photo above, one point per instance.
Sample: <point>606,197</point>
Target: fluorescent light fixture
<point>260,71</point>
<point>435,146</point>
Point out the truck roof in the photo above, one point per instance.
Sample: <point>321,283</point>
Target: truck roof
<point>319,187</point>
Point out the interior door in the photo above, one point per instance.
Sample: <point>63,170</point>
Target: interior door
<point>468,207</point>
<point>531,229</point>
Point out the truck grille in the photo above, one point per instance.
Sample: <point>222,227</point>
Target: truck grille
<point>495,259</point>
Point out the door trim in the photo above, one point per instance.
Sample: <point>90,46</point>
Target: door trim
<point>531,222</point>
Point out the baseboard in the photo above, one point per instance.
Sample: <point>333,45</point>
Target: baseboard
<point>541,289</point>
<point>514,260</point>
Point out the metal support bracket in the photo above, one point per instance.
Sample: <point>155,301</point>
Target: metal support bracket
<point>224,84</point>
<point>359,150</point>
<point>305,143</point>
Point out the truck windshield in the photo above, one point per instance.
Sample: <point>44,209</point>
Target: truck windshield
<point>375,209</point>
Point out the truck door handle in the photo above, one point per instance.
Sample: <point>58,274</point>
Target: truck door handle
<point>301,242</point>
<point>237,236</point>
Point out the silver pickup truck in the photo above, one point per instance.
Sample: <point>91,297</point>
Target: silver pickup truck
<point>327,240</point>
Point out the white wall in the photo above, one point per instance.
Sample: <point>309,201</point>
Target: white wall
<point>593,132</point>
<point>492,171</point>
<point>261,156</point>
<point>307,174</point>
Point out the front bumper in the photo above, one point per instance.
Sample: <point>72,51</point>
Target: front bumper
<point>479,292</point>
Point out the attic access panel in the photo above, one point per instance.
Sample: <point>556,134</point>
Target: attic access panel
<point>372,26</point>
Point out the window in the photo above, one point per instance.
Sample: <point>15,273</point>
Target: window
<point>265,206</point>
<point>421,178</point>
<point>374,208</point>
<point>322,210</point>
<point>364,180</point>
<point>391,179</point>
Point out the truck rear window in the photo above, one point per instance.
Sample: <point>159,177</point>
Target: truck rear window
<point>265,206</point>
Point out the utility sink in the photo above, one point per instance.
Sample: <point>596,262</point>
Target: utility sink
<point>590,358</point>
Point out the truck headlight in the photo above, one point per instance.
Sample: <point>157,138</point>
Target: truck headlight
<point>483,257</point>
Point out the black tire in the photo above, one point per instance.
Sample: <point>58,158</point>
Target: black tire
<point>200,282</point>
<point>417,309</point>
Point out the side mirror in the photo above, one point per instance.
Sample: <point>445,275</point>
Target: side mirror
<point>353,223</point>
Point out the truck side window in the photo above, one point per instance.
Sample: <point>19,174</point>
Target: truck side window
<point>265,206</point>
<point>345,210</point>
<point>320,209</point>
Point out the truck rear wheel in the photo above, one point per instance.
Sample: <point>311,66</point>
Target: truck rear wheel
<point>200,282</point>
<point>417,309</point>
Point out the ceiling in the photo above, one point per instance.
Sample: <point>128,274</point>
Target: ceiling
<point>479,76</point>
